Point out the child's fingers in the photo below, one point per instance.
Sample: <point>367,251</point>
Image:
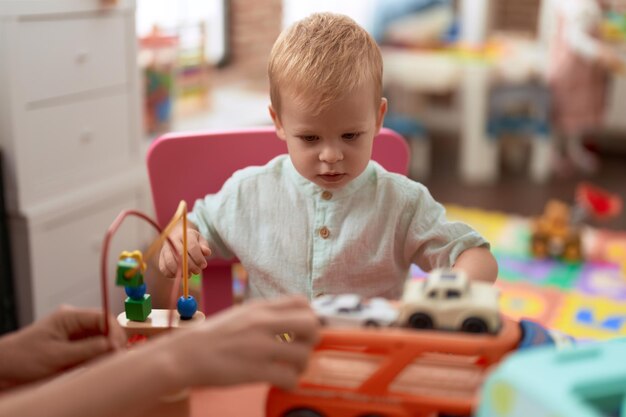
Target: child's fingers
<point>167,263</point>
<point>196,257</point>
<point>204,245</point>
<point>196,266</point>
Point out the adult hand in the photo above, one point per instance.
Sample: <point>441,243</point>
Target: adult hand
<point>241,345</point>
<point>197,250</point>
<point>66,338</point>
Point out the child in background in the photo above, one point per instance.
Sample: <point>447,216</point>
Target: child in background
<point>326,219</point>
<point>578,76</point>
<point>237,346</point>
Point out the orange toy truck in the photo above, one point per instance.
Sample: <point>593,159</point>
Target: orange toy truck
<point>394,372</point>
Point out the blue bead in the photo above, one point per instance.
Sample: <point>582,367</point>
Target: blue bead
<point>136,293</point>
<point>187,307</point>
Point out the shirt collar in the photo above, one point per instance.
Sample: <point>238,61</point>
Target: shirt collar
<point>310,188</point>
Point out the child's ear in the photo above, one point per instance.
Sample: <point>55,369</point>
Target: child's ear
<point>280,131</point>
<point>382,110</point>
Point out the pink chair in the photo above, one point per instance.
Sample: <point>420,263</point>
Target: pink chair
<point>187,166</point>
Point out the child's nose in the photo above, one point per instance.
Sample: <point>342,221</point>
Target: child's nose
<point>331,154</point>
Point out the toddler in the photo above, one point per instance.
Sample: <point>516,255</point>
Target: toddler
<point>326,219</point>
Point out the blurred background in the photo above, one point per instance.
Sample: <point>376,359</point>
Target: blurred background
<point>87,85</point>
<point>452,70</point>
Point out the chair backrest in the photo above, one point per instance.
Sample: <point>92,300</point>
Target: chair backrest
<point>187,166</point>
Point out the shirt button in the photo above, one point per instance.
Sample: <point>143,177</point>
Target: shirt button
<point>327,195</point>
<point>324,232</point>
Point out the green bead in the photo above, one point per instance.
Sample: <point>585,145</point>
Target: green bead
<point>125,265</point>
<point>138,310</point>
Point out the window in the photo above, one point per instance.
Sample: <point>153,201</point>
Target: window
<point>171,15</point>
<point>448,276</point>
<point>360,10</point>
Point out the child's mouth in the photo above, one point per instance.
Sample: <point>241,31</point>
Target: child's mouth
<point>332,177</point>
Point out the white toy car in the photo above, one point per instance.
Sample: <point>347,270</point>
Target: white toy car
<point>350,310</point>
<point>446,299</point>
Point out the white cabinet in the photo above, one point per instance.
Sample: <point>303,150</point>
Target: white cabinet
<point>70,132</point>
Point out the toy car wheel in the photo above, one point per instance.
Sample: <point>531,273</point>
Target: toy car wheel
<point>303,412</point>
<point>420,321</point>
<point>371,323</point>
<point>474,325</point>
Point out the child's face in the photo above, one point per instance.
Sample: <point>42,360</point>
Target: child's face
<point>333,147</point>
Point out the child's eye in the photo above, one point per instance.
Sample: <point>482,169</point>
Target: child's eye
<point>350,136</point>
<point>309,138</point>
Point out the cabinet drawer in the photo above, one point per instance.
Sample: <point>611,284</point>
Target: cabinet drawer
<point>64,56</point>
<point>65,255</point>
<point>66,146</point>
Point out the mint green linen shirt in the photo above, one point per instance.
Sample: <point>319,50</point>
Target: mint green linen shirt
<point>292,236</point>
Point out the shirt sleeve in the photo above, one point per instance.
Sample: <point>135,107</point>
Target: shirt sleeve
<point>205,214</point>
<point>433,241</point>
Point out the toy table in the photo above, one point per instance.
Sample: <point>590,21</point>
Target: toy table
<point>471,74</point>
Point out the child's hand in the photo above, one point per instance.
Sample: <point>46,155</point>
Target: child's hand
<point>240,345</point>
<point>197,249</point>
<point>60,341</point>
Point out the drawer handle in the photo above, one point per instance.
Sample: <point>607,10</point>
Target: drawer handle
<point>82,57</point>
<point>86,136</point>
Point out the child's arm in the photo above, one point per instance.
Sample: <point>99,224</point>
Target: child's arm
<point>60,341</point>
<point>478,263</point>
<point>234,347</point>
<point>197,248</point>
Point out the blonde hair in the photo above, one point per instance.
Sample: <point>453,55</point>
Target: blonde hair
<point>322,58</point>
